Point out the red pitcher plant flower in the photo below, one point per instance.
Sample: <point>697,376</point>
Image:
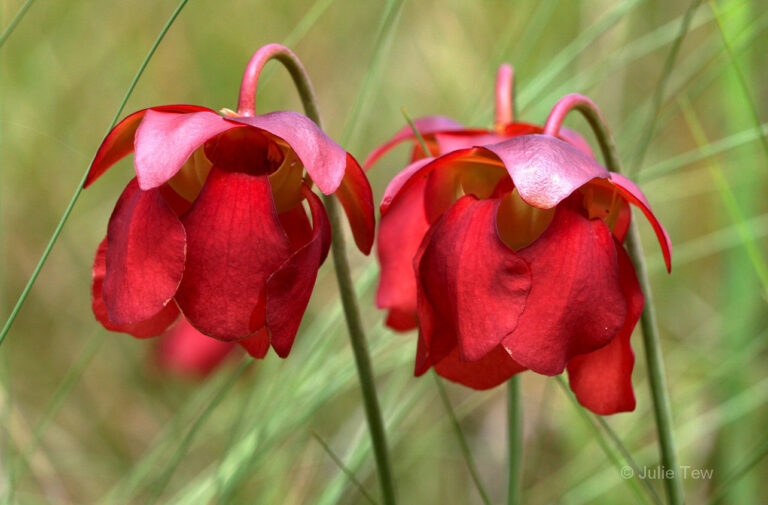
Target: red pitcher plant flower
<point>214,226</point>
<point>508,253</point>
<point>401,232</point>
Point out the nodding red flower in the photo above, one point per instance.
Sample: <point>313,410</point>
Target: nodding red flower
<point>182,350</point>
<point>401,232</point>
<point>214,225</point>
<point>508,254</point>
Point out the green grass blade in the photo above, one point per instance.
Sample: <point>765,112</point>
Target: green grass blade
<point>342,467</point>
<point>740,76</point>
<point>186,442</point>
<point>52,407</point>
<point>465,452</point>
<point>15,21</point>
<point>661,85</point>
<point>79,189</point>
<point>740,472</point>
<point>383,40</point>
<point>704,152</point>
<point>627,456</point>
<point>728,197</point>
<point>604,445</point>
<point>531,89</point>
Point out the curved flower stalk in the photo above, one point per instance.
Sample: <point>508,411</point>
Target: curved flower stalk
<point>510,258</point>
<point>214,224</point>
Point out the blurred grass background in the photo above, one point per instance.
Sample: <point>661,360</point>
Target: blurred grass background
<point>86,418</point>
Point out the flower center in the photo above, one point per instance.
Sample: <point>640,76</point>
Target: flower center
<point>518,223</point>
<point>244,150</point>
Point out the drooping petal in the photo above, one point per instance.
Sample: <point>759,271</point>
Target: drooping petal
<point>406,177</point>
<point>545,170</point>
<point>428,125</point>
<point>602,379</point>
<point>290,287</point>
<point>472,279</point>
<point>257,344</point>
<point>400,320</point>
<point>296,225</point>
<point>489,371</point>
<point>576,303</point>
<point>165,140</point>
<point>632,192</point>
<point>119,142</point>
<point>186,351</point>
<point>401,231</point>
<point>235,242</point>
<point>437,339</point>
<point>356,197</point>
<point>152,327</point>
<point>145,256</point>
<point>323,158</point>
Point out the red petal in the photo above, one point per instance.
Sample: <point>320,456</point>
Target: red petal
<point>235,242</point>
<point>151,327</point>
<point>602,379</point>
<point>576,304</point>
<point>356,197</point>
<point>296,225</point>
<point>425,125</point>
<point>401,231</point>
<point>257,344</point>
<point>412,173</point>
<point>400,320</point>
<point>545,169</point>
<point>186,351</point>
<point>436,338</point>
<point>145,257</point>
<point>178,203</point>
<point>489,371</point>
<point>119,141</point>
<point>454,141</point>
<point>164,141</point>
<point>323,158</point>
<point>290,287</point>
<point>472,280</point>
<point>631,192</point>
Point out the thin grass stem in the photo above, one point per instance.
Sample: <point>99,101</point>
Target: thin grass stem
<point>340,260</point>
<point>653,355</point>
<point>59,227</point>
<point>342,467</point>
<point>465,452</point>
<point>15,21</point>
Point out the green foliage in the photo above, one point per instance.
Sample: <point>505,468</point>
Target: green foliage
<point>86,418</point>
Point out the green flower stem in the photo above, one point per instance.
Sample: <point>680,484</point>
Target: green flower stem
<point>514,441</point>
<point>654,360</point>
<point>505,115</point>
<point>340,260</point>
